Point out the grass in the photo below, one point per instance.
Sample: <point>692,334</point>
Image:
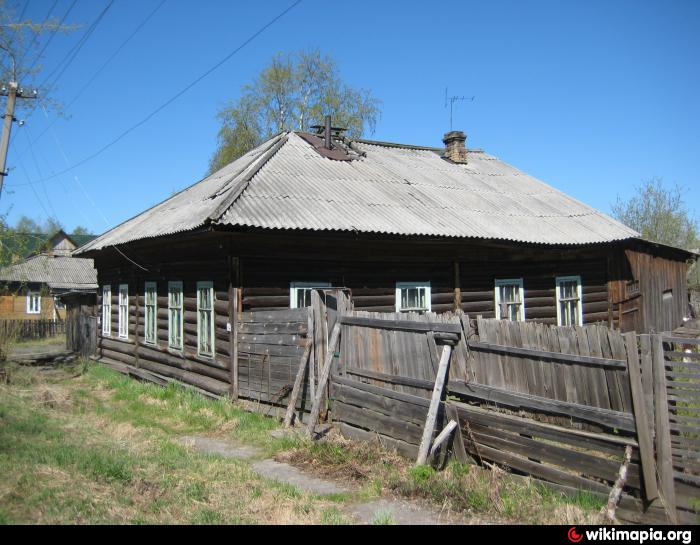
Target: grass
<point>83,444</point>
<point>459,489</point>
<point>80,443</point>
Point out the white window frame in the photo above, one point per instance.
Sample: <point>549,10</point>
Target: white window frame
<point>175,285</point>
<point>36,297</point>
<point>579,292</point>
<point>154,318</point>
<point>294,287</point>
<point>418,285</point>
<point>212,332</point>
<point>123,311</point>
<point>107,310</point>
<point>499,282</point>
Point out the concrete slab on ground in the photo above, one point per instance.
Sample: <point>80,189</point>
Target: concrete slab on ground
<point>291,475</point>
<point>209,445</point>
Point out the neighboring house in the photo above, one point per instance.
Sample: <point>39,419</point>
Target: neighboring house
<point>32,288</point>
<point>404,228</point>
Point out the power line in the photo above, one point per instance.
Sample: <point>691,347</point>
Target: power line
<point>24,9</point>
<point>73,53</point>
<point>48,42</point>
<point>98,72</point>
<point>172,99</point>
<point>36,35</point>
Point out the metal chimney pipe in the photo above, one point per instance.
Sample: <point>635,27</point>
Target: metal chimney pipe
<point>327,133</point>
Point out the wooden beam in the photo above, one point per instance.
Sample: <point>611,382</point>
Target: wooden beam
<point>457,304</point>
<point>323,379</point>
<point>616,491</point>
<point>136,330</point>
<point>545,355</point>
<point>641,419</point>
<point>404,325</point>
<point>664,456</point>
<point>233,329</point>
<point>429,427</point>
<point>442,437</point>
<point>460,453</point>
<point>289,415</point>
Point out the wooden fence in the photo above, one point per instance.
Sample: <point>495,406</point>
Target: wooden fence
<point>563,405</point>
<point>681,398</point>
<point>23,330</point>
<point>559,404</point>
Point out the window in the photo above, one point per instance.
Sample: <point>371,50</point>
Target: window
<point>123,311</point>
<point>413,297</point>
<point>33,302</point>
<point>107,310</point>
<point>569,307</point>
<point>151,301</point>
<point>205,318</point>
<point>175,315</point>
<point>300,293</point>
<point>510,299</point>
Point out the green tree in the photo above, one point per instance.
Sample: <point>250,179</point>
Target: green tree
<point>294,92</point>
<point>659,213</point>
<point>80,230</point>
<point>22,49</point>
<point>26,224</point>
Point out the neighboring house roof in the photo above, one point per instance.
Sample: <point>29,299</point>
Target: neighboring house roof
<point>26,244</point>
<point>58,272</point>
<point>386,188</point>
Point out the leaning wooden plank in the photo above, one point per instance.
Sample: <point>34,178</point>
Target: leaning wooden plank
<point>434,404</point>
<point>641,419</point>
<point>647,379</point>
<point>442,437</point>
<point>289,415</point>
<point>604,417</point>
<point>616,492</point>
<point>547,355</point>
<point>458,449</point>
<point>323,379</point>
<point>664,460</point>
<point>404,325</point>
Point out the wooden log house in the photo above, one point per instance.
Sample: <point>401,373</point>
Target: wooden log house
<point>401,227</point>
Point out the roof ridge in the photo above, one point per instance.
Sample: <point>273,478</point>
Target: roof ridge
<point>239,187</point>
<point>407,146</point>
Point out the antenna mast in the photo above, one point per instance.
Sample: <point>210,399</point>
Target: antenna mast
<point>451,100</point>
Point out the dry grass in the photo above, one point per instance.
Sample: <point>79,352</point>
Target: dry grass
<point>100,448</point>
<point>463,489</point>
<point>83,444</point>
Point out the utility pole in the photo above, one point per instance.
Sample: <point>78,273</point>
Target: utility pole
<point>12,91</point>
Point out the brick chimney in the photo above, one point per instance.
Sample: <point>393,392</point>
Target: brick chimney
<point>455,149</point>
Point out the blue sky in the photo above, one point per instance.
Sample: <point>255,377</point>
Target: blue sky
<point>592,97</point>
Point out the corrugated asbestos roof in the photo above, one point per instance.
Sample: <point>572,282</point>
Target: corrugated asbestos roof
<point>57,271</point>
<point>286,184</point>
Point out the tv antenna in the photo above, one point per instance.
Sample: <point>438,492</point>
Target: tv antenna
<point>452,99</point>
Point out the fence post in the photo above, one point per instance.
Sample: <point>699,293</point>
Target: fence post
<point>440,377</point>
<point>664,460</point>
<point>641,419</point>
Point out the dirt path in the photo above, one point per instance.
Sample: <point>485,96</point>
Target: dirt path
<point>377,511</point>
